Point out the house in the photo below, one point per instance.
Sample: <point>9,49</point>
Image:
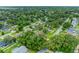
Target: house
<point>72,31</point>
<point>74,22</point>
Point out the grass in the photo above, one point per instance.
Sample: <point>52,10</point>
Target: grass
<point>77,27</point>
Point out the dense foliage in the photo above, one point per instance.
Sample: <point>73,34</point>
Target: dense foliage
<point>32,41</point>
<point>63,42</point>
<point>39,27</point>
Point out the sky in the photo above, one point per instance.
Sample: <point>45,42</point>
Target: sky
<point>39,2</point>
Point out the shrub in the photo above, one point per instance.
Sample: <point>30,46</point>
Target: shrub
<point>1,51</point>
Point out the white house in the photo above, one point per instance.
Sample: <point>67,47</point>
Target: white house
<point>74,22</point>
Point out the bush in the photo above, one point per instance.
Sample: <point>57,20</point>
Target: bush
<point>1,51</point>
<point>63,42</point>
<point>32,41</point>
<point>2,33</point>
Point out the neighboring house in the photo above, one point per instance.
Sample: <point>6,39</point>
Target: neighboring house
<point>74,22</point>
<point>72,31</point>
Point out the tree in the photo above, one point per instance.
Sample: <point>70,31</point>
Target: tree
<point>32,41</point>
<point>66,25</point>
<point>63,42</point>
